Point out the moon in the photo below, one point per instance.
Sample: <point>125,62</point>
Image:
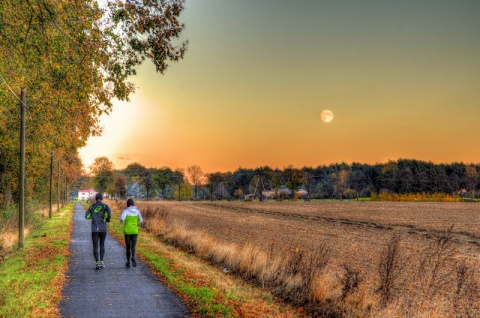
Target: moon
<point>326,116</point>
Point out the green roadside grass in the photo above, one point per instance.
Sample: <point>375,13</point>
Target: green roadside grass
<point>32,277</point>
<point>207,291</point>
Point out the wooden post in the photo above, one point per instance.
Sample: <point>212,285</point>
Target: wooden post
<point>51,187</point>
<point>21,201</point>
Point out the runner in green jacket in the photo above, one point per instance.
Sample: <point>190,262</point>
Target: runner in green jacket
<point>131,216</point>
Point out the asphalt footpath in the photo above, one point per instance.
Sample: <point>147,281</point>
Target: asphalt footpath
<point>113,291</point>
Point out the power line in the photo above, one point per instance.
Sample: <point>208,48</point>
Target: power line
<point>10,89</point>
<point>16,96</point>
<point>27,110</point>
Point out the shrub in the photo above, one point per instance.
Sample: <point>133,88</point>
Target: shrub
<point>349,194</point>
<point>437,197</point>
<point>365,193</point>
<point>8,217</point>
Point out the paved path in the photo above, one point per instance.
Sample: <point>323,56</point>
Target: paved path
<point>114,291</point>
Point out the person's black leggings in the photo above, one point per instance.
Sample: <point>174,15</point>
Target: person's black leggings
<point>130,242</point>
<point>99,239</point>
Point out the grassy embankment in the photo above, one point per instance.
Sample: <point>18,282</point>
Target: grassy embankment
<point>205,288</point>
<point>33,277</point>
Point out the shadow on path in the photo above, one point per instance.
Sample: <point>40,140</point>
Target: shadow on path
<point>114,291</point>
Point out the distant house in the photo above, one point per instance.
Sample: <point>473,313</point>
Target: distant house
<point>270,194</point>
<point>84,195</point>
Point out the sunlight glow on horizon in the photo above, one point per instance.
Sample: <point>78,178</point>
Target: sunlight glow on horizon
<point>401,79</point>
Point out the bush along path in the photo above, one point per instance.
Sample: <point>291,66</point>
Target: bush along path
<point>113,291</point>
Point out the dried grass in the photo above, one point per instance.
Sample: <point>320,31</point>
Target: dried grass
<point>291,276</point>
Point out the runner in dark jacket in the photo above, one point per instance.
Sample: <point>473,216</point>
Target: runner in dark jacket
<point>99,213</point>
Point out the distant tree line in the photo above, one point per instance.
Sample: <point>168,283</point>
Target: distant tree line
<point>334,181</point>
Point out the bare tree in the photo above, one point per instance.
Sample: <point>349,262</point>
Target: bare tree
<point>177,179</point>
<point>294,179</point>
<point>277,183</point>
<point>471,176</point>
<point>196,177</point>
<point>340,183</point>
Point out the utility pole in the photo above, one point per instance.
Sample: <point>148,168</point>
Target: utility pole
<point>51,187</point>
<point>58,188</point>
<point>65,189</point>
<point>21,201</point>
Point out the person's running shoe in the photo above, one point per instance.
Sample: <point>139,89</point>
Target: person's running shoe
<point>102,264</point>
<point>127,264</point>
<point>134,263</point>
<point>98,265</point>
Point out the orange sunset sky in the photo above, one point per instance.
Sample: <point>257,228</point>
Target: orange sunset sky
<point>402,79</point>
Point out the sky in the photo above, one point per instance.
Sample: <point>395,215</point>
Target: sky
<point>402,79</point>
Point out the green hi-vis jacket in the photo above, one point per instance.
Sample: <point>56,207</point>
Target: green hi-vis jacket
<point>131,216</point>
<point>99,213</point>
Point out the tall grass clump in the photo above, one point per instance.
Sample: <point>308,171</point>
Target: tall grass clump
<point>467,290</point>
<point>290,274</point>
<point>389,270</point>
<point>8,217</point>
<point>301,271</point>
<point>437,282</point>
<point>34,216</point>
<point>155,218</point>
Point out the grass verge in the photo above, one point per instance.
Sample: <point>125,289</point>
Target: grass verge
<point>205,288</point>
<point>33,277</point>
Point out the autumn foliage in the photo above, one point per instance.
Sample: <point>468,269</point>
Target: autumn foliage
<point>73,58</point>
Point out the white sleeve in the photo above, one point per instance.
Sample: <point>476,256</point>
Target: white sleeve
<point>140,216</point>
<point>124,214</point>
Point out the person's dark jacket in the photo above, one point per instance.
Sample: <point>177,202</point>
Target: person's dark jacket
<point>99,213</point>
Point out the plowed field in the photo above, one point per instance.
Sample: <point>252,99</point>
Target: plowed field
<point>435,267</point>
<point>356,231</point>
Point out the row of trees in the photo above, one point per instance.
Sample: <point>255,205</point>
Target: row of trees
<point>73,58</point>
<point>342,180</point>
